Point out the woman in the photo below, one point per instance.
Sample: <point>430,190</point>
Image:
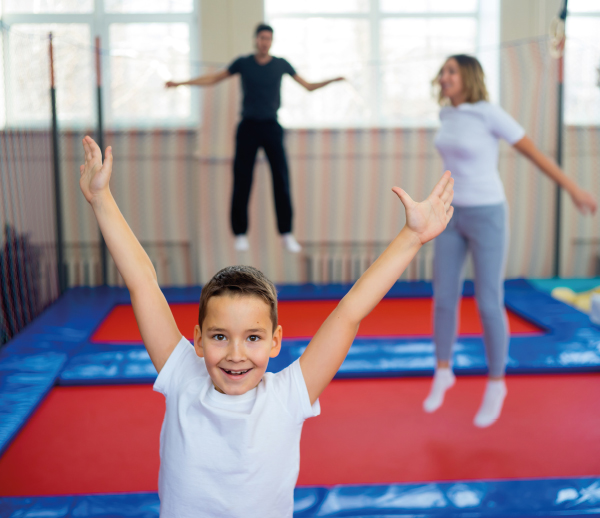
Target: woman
<point>468,143</point>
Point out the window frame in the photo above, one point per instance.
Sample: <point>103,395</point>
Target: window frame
<point>486,14</point>
<point>570,15</point>
<point>99,23</point>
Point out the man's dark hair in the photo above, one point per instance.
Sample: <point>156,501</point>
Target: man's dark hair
<point>243,281</point>
<point>262,27</point>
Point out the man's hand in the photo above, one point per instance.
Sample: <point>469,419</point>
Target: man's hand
<point>429,218</point>
<point>171,84</point>
<point>95,175</point>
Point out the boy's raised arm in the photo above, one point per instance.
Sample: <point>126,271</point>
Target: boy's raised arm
<point>153,315</point>
<point>328,348</point>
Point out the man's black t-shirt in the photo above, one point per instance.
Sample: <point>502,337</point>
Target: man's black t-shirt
<point>261,85</point>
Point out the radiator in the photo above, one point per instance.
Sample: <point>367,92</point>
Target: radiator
<point>172,262</point>
<point>331,262</point>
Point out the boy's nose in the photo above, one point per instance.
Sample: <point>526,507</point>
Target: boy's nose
<point>236,351</point>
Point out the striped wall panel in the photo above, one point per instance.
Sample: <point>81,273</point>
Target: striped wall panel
<point>174,186</point>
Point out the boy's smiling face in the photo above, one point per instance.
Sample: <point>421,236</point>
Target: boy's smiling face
<point>236,341</point>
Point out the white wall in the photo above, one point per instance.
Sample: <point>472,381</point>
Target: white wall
<point>526,18</point>
<point>226,28</point>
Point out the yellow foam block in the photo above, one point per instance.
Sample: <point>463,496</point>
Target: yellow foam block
<point>581,301</point>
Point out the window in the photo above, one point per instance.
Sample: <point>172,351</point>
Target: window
<point>144,44</point>
<point>582,63</point>
<point>389,50</point>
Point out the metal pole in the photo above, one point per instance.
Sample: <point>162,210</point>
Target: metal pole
<point>559,136</point>
<point>62,284</point>
<point>559,161</point>
<point>100,137</point>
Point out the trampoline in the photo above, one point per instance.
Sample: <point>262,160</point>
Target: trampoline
<point>81,435</point>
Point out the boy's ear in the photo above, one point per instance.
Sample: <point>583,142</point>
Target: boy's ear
<point>198,341</point>
<point>277,336</point>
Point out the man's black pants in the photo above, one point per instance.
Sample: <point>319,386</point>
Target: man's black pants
<point>252,134</point>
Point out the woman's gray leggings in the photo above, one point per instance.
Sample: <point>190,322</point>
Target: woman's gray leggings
<point>483,231</point>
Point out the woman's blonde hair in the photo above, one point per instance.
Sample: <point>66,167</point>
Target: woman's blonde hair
<point>473,79</point>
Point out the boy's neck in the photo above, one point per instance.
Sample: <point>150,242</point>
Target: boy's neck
<point>221,392</point>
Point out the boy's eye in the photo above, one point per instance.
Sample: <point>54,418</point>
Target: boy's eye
<point>253,338</point>
<point>219,337</point>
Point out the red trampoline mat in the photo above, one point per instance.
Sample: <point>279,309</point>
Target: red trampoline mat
<point>301,319</point>
<point>105,439</point>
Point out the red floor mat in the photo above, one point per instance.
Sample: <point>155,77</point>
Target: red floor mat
<point>105,439</point>
<point>301,319</point>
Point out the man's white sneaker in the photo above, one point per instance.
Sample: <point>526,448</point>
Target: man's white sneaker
<point>290,243</point>
<point>241,243</point>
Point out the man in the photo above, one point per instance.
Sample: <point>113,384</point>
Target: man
<point>261,84</point>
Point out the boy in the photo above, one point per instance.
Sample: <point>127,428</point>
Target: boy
<point>230,439</point>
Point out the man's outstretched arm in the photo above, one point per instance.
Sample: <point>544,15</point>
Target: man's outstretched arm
<point>205,80</point>
<point>315,86</point>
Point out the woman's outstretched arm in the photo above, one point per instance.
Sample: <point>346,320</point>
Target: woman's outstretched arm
<point>583,200</point>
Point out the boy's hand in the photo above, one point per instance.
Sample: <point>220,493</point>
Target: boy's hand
<point>429,218</point>
<point>95,175</point>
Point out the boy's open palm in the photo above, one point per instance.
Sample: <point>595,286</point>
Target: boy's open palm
<point>95,175</point>
<point>429,218</point>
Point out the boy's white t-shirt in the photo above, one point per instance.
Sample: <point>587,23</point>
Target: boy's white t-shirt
<point>229,456</point>
<point>468,143</point>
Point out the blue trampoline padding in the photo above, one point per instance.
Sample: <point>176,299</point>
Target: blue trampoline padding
<point>569,345</point>
<point>31,362</point>
<point>25,379</point>
<point>494,499</point>
<point>517,498</point>
<point>69,322</point>
<point>321,292</point>
<point>108,364</point>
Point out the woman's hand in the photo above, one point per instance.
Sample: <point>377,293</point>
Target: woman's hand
<point>429,218</point>
<point>95,175</point>
<point>584,201</point>
<point>171,84</point>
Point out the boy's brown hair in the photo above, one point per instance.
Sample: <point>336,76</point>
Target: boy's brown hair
<point>239,280</point>
<point>473,79</point>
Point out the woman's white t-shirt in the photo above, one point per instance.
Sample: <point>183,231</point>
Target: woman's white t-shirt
<point>229,456</point>
<point>468,143</point>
